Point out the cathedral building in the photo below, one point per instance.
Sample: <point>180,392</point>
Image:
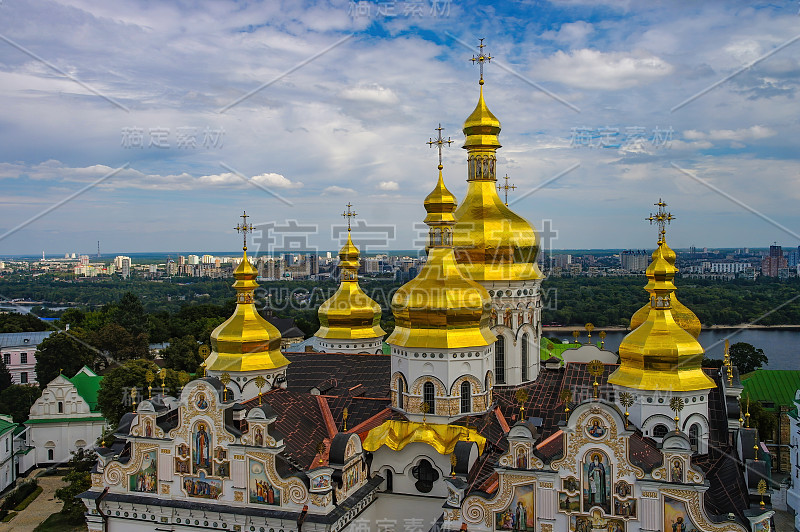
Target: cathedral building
<point>460,426</point>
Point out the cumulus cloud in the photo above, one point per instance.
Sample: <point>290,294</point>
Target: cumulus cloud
<point>592,69</point>
<point>388,185</point>
<point>571,33</point>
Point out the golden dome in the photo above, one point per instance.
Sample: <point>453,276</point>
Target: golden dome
<point>682,314</point>
<point>350,313</point>
<point>246,341</point>
<point>491,242</point>
<point>659,354</point>
<point>441,308</point>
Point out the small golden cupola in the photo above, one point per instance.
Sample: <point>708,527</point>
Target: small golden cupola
<point>659,354</point>
<point>491,241</point>
<point>441,308</point>
<point>246,343</point>
<point>682,314</point>
<point>350,319</point>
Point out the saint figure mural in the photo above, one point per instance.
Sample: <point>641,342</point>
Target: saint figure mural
<point>520,517</point>
<point>202,447</point>
<point>597,491</point>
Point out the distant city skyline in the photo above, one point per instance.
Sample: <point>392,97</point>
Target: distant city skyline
<point>152,129</point>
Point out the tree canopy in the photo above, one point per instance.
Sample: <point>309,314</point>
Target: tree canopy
<point>747,357</point>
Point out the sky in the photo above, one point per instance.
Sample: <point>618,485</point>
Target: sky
<point>151,125</point>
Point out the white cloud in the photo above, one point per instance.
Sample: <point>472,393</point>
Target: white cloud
<point>335,190</point>
<point>388,185</point>
<point>370,93</point>
<point>571,33</point>
<point>750,133</point>
<point>275,180</point>
<point>593,69</point>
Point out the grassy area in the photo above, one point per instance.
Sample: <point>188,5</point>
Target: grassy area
<point>58,523</point>
<point>9,517</point>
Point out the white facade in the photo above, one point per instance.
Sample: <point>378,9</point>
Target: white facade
<point>356,346</point>
<point>517,319</point>
<point>7,470</point>
<point>61,422</point>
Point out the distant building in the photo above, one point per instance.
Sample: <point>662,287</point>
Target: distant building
<point>19,354</point>
<point>64,419</point>
<point>118,261</point>
<point>126,268</point>
<point>634,260</point>
<point>290,334</point>
<point>562,261</point>
<point>774,262</point>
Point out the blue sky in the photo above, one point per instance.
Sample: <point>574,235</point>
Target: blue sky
<point>637,100</point>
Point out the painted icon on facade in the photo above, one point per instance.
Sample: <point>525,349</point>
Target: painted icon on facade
<point>520,512</point>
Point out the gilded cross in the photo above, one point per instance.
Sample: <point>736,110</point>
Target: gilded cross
<point>481,58</point>
<point>661,218</point>
<point>506,187</point>
<point>244,229</point>
<point>348,215</point>
<point>439,142</point>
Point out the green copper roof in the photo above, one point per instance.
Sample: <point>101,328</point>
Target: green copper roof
<point>557,349</point>
<point>5,426</point>
<point>64,420</point>
<point>87,382</point>
<point>771,386</point>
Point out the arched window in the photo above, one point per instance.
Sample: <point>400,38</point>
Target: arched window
<point>429,396</point>
<point>466,397</point>
<point>426,475</point>
<point>389,480</point>
<point>500,360</point>
<point>50,455</point>
<point>401,389</point>
<point>694,435</point>
<point>525,357</point>
<point>659,431</point>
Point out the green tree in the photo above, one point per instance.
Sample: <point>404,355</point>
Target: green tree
<point>118,344</point>
<point>80,480</point>
<point>182,354</point>
<point>17,399</point>
<point>65,353</point>
<point>712,362</point>
<point>114,397</point>
<point>746,357</point>
<point>129,313</point>
<point>5,376</point>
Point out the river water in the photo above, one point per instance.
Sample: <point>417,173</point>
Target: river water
<point>781,346</point>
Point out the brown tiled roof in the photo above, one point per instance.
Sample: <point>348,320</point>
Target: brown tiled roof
<point>337,373</point>
<point>551,447</point>
<point>644,452</point>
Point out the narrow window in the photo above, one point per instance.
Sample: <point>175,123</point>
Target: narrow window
<point>500,360</point>
<point>60,407</point>
<point>525,357</point>
<point>428,397</point>
<point>466,397</point>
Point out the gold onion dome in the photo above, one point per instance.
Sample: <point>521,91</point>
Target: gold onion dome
<point>491,242</point>
<point>350,313</point>
<point>246,341</point>
<point>441,308</point>
<point>659,354</point>
<point>682,314</point>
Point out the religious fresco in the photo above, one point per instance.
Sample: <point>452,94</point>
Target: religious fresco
<point>201,448</point>
<point>676,518</point>
<point>597,482</point>
<point>762,526</point>
<point>148,429</point>
<point>258,439</point>
<point>146,479</point>
<point>595,428</point>
<point>222,469</point>
<point>676,471</point>
<point>202,487</point>
<point>570,484</point>
<point>201,403</point>
<point>261,489</point>
<point>321,482</point>
<point>522,458</point>
<point>623,489</point>
<point>625,508</point>
<point>182,466</point>
<point>351,476</point>
<point>582,523</point>
<point>568,503</point>
<point>520,512</point>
